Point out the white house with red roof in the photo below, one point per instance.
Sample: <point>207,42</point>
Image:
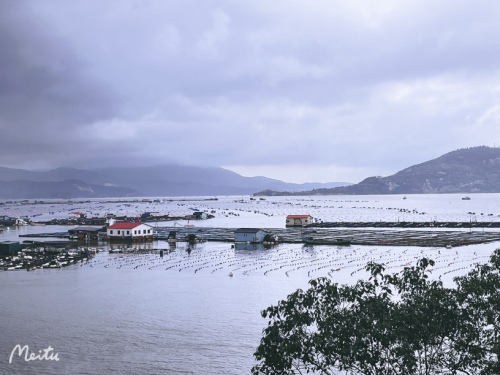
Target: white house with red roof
<point>298,220</point>
<point>130,231</point>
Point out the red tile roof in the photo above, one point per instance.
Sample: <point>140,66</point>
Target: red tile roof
<point>298,216</point>
<point>124,225</point>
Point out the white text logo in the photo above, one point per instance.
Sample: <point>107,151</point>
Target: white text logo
<point>46,355</point>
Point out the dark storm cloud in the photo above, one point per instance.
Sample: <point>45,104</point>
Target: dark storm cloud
<point>348,88</point>
<point>45,92</point>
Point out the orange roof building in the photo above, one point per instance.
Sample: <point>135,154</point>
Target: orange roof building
<point>298,220</point>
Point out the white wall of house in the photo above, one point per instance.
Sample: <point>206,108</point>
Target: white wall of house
<point>142,230</point>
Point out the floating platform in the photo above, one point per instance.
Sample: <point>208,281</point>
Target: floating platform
<point>407,224</point>
<point>373,237</point>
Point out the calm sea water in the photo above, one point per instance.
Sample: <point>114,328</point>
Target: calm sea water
<point>183,314</point>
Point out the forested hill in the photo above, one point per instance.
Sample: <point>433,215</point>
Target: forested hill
<point>470,170</point>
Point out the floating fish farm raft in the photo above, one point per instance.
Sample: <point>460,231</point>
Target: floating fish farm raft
<point>439,236</point>
<point>408,224</point>
<point>429,238</point>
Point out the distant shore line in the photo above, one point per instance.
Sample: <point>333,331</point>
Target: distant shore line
<point>104,200</point>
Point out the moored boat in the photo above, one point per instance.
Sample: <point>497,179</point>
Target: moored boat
<point>326,241</point>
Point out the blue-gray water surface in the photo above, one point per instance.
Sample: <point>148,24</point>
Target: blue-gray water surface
<point>183,313</point>
<point>134,321</point>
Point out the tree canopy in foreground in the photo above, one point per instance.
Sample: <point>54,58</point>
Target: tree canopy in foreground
<point>402,323</point>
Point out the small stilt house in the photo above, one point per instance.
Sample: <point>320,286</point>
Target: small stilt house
<point>298,220</point>
<point>253,235</point>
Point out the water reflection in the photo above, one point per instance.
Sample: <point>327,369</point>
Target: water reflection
<point>249,246</point>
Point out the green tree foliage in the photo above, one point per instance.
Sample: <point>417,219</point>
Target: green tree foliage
<point>479,293</point>
<point>403,323</point>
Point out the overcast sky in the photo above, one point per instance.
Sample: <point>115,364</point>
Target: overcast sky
<point>301,91</point>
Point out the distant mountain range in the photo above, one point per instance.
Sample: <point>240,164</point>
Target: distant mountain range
<point>469,170</point>
<point>157,181</point>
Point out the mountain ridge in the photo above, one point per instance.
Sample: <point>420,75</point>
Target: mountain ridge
<point>66,189</point>
<point>467,170</point>
<point>162,180</point>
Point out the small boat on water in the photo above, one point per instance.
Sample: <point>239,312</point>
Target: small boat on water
<point>15,268</point>
<point>21,222</point>
<point>466,198</point>
<point>326,241</point>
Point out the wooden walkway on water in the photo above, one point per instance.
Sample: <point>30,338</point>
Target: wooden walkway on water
<point>371,237</point>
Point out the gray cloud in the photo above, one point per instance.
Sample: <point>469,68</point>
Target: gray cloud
<point>350,89</point>
<point>45,93</point>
